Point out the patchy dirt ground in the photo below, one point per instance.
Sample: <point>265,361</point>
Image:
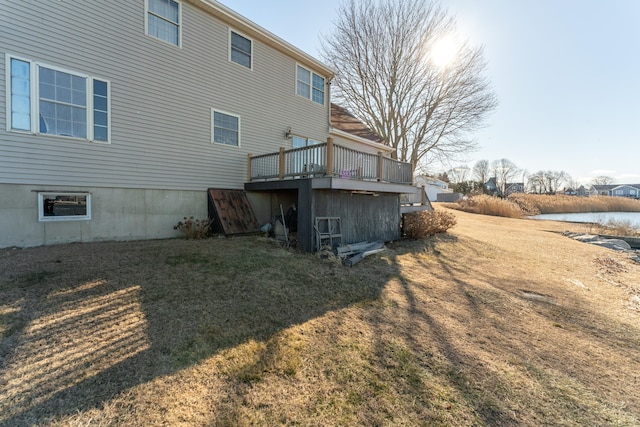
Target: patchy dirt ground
<point>498,322</point>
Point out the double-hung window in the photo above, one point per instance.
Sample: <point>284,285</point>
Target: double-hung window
<point>162,19</point>
<point>49,100</point>
<point>310,85</point>
<point>240,49</point>
<point>225,128</point>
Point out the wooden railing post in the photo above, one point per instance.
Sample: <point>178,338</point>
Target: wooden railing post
<point>380,166</point>
<point>281,164</point>
<point>329,156</point>
<point>413,169</point>
<point>249,167</point>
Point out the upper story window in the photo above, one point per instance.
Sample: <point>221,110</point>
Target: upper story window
<point>225,128</point>
<point>163,20</point>
<point>240,49</point>
<point>310,85</point>
<point>49,100</point>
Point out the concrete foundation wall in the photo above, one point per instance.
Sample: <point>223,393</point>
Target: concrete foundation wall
<point>116,214</point>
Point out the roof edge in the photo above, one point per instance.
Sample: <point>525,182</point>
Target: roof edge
<point>233,18</point>
<point>360,139</point>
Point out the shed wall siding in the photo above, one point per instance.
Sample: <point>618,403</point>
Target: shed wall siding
<point>363,217</point>
<point>161,98</point>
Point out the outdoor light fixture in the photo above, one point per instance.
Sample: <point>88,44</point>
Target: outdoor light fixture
<point>287,134</point>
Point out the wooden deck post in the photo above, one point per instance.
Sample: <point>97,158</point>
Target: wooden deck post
<point>249,167</point>
<point>379,165</point>
<point>413,169</point>
<point>329,165</point>
<point>281,164</point>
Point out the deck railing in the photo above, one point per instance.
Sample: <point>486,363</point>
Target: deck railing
<point>328,159</point>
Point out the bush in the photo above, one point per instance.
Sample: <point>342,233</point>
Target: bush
<point>195,229</point>
<point>418,225</point>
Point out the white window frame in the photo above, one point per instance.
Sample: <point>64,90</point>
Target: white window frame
<point>44,218</point>
<point>34,99</point>
<point>179,23</point>
<point>619,192</point>
<point>311,87</point>
<point>213,129</point>
<point>231,31</point>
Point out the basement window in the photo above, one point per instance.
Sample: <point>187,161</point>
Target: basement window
<point>64,206</point>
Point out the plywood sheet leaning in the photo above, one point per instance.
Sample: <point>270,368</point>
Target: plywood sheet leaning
<point>231,212</point>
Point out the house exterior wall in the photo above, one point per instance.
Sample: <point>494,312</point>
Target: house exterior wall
<point>161,101</point>
<point>116,214</point>
<point>626,191</point>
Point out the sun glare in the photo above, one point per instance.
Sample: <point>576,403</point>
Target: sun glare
<point>444,51</point>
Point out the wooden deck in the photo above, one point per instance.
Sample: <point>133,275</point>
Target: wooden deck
<point>330,160</point>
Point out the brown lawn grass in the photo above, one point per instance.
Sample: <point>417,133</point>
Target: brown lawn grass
<point>499,322</point>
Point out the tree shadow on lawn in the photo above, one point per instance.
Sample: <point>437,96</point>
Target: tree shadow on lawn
<point>491,338</point>
<point>85,322</point>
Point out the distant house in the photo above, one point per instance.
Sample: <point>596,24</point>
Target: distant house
<point>435,188</point>
<point>580,191</point>
<point>491,187</point>
<point>514,187</point>
<point>626,190</point>
<point>601,190</point>
<point>616,190</point>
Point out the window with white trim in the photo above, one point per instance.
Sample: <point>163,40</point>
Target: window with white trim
<point>310,85</point>
<point>49,100</point>
<point>162,18</point>
<point>64,206</point>
<point>240,49</point>
<point>619,192</point>
<point>225,128</point>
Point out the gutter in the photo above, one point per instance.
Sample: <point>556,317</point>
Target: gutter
<point>234,19</point>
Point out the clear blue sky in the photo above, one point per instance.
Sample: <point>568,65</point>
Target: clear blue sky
<point>566,73</point>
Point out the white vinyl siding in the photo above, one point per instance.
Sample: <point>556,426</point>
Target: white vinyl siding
<point>225,128</point>
<point>240,49</point>
<point>160,99</point>
<point>310,85</point>
<point>65,103</point>
<point>163,19</point>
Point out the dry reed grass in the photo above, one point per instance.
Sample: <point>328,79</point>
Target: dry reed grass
<point>548,204</point>
<point>487,205</point>
<point>497,323</point>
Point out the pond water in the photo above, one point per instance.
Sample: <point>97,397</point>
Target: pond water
<point>599,217</point>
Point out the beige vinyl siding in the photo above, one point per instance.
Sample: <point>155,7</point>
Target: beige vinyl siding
<point>161,98</point>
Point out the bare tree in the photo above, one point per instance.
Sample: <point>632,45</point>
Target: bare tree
<point>602,180</point>
<point>387,76</point>
<point>555,179</point>
<point>537,183</point>
<point>504,170</point>
<point>481,171</point>
<point>458,174</point>
<point>548,182</point>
